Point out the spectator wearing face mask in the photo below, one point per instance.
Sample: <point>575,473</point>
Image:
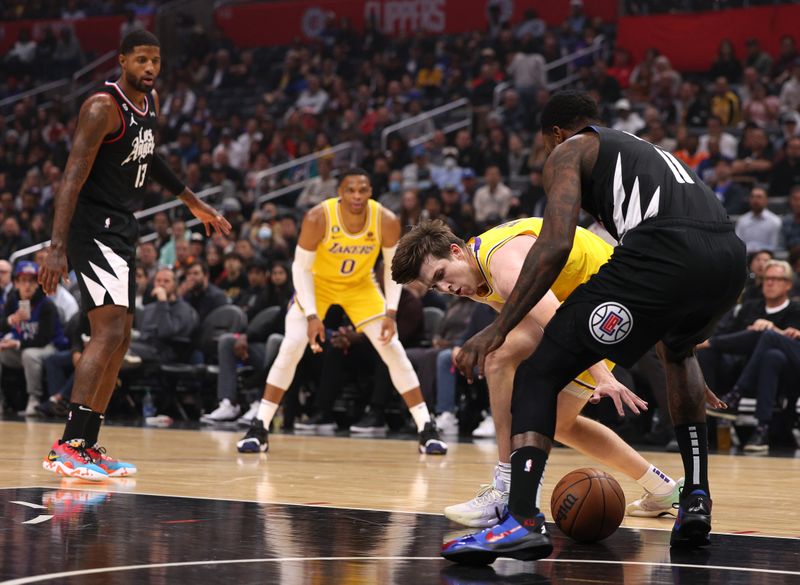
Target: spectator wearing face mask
<point>449,173</point>
<point>393,198</point>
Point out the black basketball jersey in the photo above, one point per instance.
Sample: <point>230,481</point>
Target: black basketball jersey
<point>634,181</point>
<point>116,183</point>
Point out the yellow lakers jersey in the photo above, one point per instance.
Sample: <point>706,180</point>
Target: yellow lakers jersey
<point>344,258</point>
<point>589,253</point>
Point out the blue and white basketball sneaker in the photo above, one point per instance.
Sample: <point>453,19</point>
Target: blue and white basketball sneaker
<point>507,539</point>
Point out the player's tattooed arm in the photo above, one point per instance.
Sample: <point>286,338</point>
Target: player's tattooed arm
<point>546,258</point>
<point>98,117</point>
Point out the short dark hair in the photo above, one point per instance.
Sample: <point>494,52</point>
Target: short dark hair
<point>569,109</point>
<point>428,238</point>
<point>353,172</point>
<point>138,38</point>
<point>258,264</point>
<point>202,264</point>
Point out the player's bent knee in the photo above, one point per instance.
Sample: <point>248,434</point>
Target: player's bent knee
<point>282,371</point>
<point>401,371</point>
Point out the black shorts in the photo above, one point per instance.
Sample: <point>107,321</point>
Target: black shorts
<point>670,281</point>
<point>104,265</point>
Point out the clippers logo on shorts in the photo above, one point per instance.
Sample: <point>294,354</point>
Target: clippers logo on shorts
<point>610,323</point>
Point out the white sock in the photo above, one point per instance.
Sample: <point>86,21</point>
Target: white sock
<point>503,473</point>
<point>266,410</point>
<point>656,482</point>
<point>421,415</point>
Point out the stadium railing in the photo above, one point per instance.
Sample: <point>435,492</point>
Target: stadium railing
<point>143,214</point>
<point>419,129</point>
<point>596,47</point>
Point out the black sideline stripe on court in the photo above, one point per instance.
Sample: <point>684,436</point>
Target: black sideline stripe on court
<point>91,536</point>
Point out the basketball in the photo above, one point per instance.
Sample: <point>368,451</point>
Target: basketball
<point>587,504</point>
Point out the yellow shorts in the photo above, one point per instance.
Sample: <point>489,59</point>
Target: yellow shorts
<point>362,301</point>
<point>584,384</point>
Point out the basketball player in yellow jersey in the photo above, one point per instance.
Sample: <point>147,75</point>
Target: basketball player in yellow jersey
<point>485,270</point>
<point>339,242</point>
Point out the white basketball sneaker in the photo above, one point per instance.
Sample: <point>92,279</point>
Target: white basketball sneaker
<point>485,430</point>
<point>486,509</point>
<point>653,506</point>
<point>247,418</point>
<point>223,413</point>
<point>447,423</point>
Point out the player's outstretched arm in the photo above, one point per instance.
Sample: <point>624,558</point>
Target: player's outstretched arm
<point>98,117</point>
<point>211,218</point>
<point>390,234</point>
<point>312,232</point>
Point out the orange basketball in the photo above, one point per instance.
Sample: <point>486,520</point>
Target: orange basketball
<point>587,504</point>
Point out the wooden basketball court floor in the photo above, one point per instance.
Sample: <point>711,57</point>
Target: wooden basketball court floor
<point>347,510</point>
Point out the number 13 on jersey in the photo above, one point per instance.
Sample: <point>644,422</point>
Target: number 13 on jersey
<point>141,174</point>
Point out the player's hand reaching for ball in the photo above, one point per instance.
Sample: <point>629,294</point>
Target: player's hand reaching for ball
<point>53,270</point>
<point>620,394</point>
<point>474,351</point>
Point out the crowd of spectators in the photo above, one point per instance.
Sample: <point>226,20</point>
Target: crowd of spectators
<point>228,114</point>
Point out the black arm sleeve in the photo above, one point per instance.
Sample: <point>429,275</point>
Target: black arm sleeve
<point>165,177</point>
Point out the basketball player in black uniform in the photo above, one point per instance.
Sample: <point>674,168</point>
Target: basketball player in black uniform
<point>112,156</point>
<point>678,267</point>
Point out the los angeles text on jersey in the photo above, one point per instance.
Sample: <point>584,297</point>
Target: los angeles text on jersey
<point>142,146</point>
<point>337,248</point>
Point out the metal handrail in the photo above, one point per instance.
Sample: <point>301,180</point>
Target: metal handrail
<point>175,203</point>
<point>260,176</point>
<point>446,130</point>
<point>138,215</point>
<point>597,45</point>
<point>422,117</point>
<point>261,199</point>
<point>93,65</point>
<point>32,92</point>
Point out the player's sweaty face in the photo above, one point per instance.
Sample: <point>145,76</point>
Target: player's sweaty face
<point>452,276</point>
<point>354,193</point>
<point>142,66</point>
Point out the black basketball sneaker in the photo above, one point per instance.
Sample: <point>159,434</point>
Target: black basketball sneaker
<point>255,440</point>
<point>693,525</point>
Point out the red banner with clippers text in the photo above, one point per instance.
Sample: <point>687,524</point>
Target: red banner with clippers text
<point>280,23</point>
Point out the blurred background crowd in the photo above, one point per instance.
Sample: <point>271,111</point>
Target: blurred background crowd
<point>235,121</point>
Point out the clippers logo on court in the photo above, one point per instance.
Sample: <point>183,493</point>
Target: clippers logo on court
<point>610,323</point>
